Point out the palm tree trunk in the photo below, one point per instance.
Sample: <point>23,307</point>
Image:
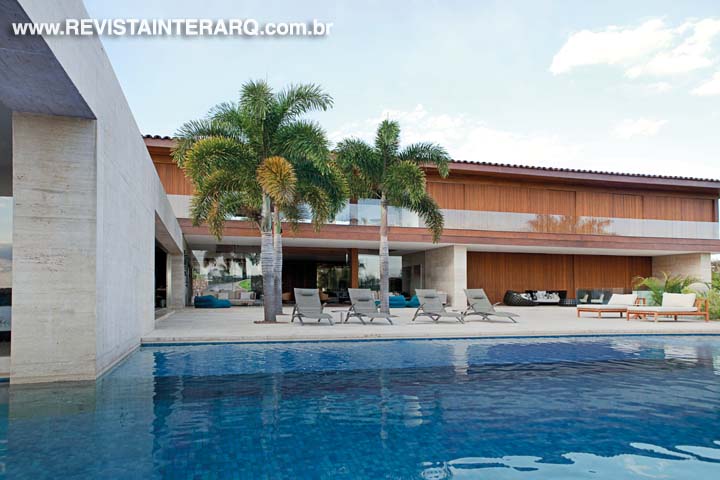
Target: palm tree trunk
<point>267,256</point>
<point>384,257</point>
<point>277,244</point>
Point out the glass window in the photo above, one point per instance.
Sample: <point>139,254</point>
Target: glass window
<point>6,218</point>
<point>369,272</point>
<point>226,269</point>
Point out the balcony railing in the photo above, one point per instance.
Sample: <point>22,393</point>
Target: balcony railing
<point>367,212</point>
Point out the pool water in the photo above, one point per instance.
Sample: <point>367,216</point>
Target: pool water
<point>550,408</point>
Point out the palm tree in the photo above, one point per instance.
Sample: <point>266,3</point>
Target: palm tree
<point>258,158</point>
<point>395,176</point>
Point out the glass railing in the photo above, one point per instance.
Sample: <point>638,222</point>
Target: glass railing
<point>367,212</point>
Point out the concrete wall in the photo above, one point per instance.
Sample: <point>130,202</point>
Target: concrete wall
<point>446,270</point>
<point>127,199</point>
<point>54,241</point>
<point>693,264</point>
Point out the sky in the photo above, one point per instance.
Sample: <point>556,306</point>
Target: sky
<point>602,85</point>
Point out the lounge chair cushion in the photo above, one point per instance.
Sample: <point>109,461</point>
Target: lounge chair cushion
<point>661,309</point>
<point>678,299</point>
<point>624,299</point>
<point>603,307</point>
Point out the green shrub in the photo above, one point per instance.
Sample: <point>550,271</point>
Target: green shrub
<point>666,284</point>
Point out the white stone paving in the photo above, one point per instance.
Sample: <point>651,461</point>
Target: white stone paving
<point>237,325</point>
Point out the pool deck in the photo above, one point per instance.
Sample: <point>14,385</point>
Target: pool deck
<point>236,324</point>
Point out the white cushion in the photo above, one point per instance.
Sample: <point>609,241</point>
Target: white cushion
<point>678,299</point>
<point>602,307</point>
<point>661,309</point>
<point>624,299</point>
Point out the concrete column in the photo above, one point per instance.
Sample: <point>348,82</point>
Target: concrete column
<point>176,281</point>
<point>692,264</point>
<point>54,249</point>
<point>446,270</point>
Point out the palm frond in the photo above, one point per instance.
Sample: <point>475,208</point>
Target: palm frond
<point>387,139</point>
<point>277,179</point>
<point>303,140</point>
<point>430,213</point>
<point>256,99</point>
<point>194,130</point>
<point>362,165</point>
<point>212,154</point>
<point>404,179</point>
<point>426,153</point>
<point>297,100</point>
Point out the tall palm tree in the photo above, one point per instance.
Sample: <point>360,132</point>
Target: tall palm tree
<point>393,175</point>
<point>263,136</point>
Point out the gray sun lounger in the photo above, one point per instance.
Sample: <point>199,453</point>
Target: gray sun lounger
<point>479,304</point>
<point>308,306</point>
<point>431,306</point>
<point>363,305</point>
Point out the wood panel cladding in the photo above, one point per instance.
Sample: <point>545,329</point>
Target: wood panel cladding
<point>171,176</point>
<point>463,193</point>
<point>499,272</point>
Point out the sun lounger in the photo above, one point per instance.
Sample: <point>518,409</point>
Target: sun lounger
<point>363,305</point>
<point>431,306</point>
<point>673,305</point>
<point>308,306</point>
<point>479,304</point>
<point>617,304</point>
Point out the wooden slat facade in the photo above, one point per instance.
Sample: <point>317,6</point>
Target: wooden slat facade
<point>490,194</point>
<point>499,272</point>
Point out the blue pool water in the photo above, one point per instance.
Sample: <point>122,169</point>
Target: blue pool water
<point>552,408</point>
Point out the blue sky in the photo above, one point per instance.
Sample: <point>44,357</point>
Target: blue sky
<point>611,85</point>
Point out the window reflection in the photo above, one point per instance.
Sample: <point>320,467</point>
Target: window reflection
<point>6,217</point>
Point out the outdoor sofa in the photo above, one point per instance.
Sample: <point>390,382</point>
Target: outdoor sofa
<point>673,305</point>
<point>618,303</point>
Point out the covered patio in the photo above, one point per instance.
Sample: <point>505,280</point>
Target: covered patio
<point>236,324</point>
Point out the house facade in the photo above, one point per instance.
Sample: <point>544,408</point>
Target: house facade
<point>507,227</point>
<point>95,235</point>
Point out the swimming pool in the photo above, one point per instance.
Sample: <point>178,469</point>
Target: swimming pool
<point>596,407</point>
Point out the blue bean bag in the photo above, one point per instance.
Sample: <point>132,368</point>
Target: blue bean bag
<point>397,301</point>
<point>414,302</point>
<point>209,301</point>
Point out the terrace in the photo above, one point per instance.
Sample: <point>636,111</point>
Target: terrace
<point>237,325</point>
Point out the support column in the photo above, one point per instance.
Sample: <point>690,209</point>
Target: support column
<point>696,265</point>
<point>354,268</point>
<point>446,271</point>
<point>54,249</point>
<point>176,281</point>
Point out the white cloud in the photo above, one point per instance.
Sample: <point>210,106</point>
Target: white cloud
<point>640,127</point>
<point>469,138</point>
<point>651,49</point>
<point>659,87</point>
<point>466,138</point>
<point>711,87</point>
<point>613,45</point>
<point>693,53</point>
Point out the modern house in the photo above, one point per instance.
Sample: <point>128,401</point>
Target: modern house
<point>95,235</point>
<point>507,227</point>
